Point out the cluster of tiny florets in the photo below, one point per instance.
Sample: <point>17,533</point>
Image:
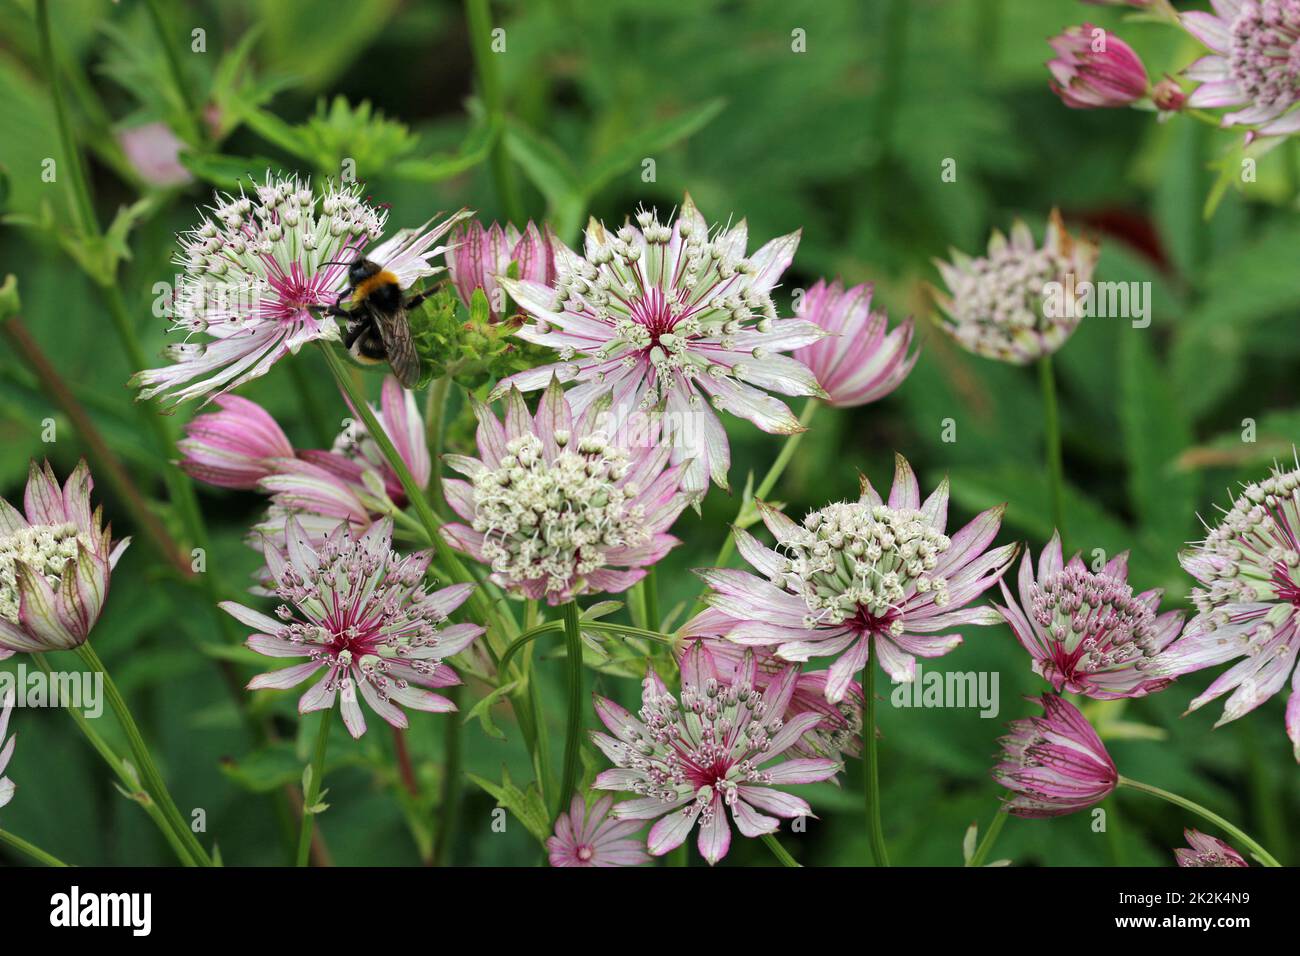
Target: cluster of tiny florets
<point>660,301</point>
<point>1095,616</point>
<point>44,550</point>
<point>853,558</point>
<point>1252,556</point>
<point>709,742</point>
<point>556,519</point>
<point>361,609</point>
<point>999,300</point>
<point>262,256</point>
<point>1264,52</point>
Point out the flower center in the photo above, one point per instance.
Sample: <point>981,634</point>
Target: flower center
<point>44,550</point>
<point>854,561</point>
<point>585,853</point>
<point>1264,53</point>
<point>556,520</point>
<point>1005,291</point>
<point>1095,621</point>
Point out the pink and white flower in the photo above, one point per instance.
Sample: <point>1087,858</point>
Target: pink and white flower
<point>259,273</point>
<point>242,446</point>
<point>1205,850</point>
<point>477,256</point>
<point>860,360</point>
<point>998,305</point>
<point>358,610</point>
<point>586,837</point>
<point>555,507</point>
<point>1247,602</point>
<point>1087,632</point>
<point>1094,69</point>
<point>839,732</point>
<point>1254,66</point>
<point>1054,764</point>
<point>55,564</point>
<point>671,318</point>
<point>710,754</point>
<point>861,581</point>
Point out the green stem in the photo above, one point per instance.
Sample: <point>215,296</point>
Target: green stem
<point>449,802</point>
<point>311,793</point>
<point>435,416</point>
<point>30,849</point>
<point>479,16</point>
<point>193,121</point>
<point>650,593</point>
<point>778,851</point>
<point>572,744</point>
<point>990,837</point>
<point>152,779</point>
<point>871,767</point>
<point>1052,423</point>
<point>415,495</point>
<point>765,487</point>
<point>130,782</point>
<point>1237,833</point>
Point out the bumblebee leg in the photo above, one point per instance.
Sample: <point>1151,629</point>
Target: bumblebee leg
<point>355,333</point>
<point>418,298</point>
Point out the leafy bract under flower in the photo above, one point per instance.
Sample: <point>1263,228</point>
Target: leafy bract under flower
<point>708,755</point>
<point>670,318</point>
<point>861,580</point>
<point>358,610</point>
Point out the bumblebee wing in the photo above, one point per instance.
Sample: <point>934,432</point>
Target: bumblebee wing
<point>395,332</point>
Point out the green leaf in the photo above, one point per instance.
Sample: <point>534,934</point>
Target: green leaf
<point>648,141</point>
<point>482,710</point>
<point>525,805</point>
<point>275,765</point>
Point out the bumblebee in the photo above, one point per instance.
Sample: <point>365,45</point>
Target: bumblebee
<point>377,326</point>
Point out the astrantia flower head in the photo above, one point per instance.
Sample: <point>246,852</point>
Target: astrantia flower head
<point>1248,602</point>
<point>1054,764</point>
<point>839,732</point>
<point>864,580</point>
<point>357,609</point>
<point>1255,64</point>
<point>671,317</point>
<point>477,256</point>
<point>6,747</point>
<point>1205,850</point>
<point>860,360</point>
<point>708,755</point>
<point>55,564</point>
<point>556,507</point>
<point>1094,69</point>
<point>259,272</point>
<point>235,447</point>
<point>1002,305</point>
<point>589,838</point>
<point>1087,632</point>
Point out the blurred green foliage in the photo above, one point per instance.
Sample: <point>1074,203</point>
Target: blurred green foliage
<point>845,141</point>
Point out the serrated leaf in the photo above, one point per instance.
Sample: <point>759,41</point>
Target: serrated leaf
<point>525,805</point>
